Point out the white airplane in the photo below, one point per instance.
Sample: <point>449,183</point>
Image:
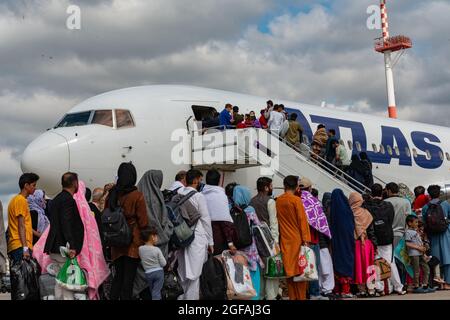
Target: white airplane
<point>142,125</point>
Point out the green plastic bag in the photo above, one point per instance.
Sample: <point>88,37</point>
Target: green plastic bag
<point>275,267</point>
<point>71,276</point>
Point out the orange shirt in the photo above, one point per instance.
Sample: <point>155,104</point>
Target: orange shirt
<point>18,206</point>
<point>294,230</point>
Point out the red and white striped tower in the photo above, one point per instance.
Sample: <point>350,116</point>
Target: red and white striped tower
<point>387,46</point>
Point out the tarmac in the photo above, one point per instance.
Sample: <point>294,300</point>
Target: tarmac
<point>438,295</point>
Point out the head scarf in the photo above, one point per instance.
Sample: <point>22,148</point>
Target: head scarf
<point>315,214</point>
<point>326,202</point>
<point>37,203</point>
<point>406,193</point>
<point>91,257</point>
<point>363,218</point>
<point>342,228</point>
<point>241,196</point>
<point>150,185</point>
<point>126,183</point>
<point>357,165</point>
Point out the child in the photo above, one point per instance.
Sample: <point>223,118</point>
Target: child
<point>416,251</point>
<point>152,261</point>
<point>433,262</point>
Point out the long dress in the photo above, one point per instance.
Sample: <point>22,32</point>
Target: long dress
<point>440,244</point>
<point>294,231</point>
<point>192,258</point>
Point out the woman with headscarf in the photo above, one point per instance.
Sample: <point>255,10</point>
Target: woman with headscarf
<point>91,258</point>
<point>365,244</point>
<point>242,198</point>
<point>150,186</point>
<point>39,220</point>
<point>342,226</point>
<point>126,259</point>
<point>357,170</point>
<point>365,160</point>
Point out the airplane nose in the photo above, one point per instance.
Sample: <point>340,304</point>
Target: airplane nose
<point>48,157</point>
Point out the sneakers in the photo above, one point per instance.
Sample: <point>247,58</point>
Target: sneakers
<point>420,290</point>
<point>430,290</point>
<point>347,296</point>
<point>401,293</point>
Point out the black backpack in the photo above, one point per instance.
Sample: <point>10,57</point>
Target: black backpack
<point>169,194</point>
<point>213,280</point>
<point>115,229</point>
<point>436,222</point>
<point>244,233</point>
<point>382,225</point>
<point>184,217</point>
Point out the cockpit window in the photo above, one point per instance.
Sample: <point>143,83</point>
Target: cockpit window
<point>103,117</point>
<point>124,119</point>
<point>75,119</point>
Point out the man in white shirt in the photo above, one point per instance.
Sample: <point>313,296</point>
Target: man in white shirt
<point>224,231</point>
<point>192,258</point>
<point>276,119</point>
<point>180,181</point>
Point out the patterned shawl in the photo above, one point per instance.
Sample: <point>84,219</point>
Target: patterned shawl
<point>315,214</point>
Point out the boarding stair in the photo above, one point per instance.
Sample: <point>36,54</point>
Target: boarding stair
<point>234,149</point>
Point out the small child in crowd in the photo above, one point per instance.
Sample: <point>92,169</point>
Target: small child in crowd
<point>416,252</point>
<point>153,261</point>
<point>432,261</point>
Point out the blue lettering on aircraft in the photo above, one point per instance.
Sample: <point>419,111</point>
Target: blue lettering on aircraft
<point>422,161</point>
<point>391,136</point>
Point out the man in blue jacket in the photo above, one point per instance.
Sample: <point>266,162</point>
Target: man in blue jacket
<point>225,117</point>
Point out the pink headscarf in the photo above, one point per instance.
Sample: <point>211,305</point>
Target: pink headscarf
<point>91,257</point>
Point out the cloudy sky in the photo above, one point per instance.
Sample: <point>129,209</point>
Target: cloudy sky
<point>302,50</point>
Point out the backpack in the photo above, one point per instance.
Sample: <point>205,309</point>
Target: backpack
<point>115,229</point>
<point>436,222</point>
<point>381,224</point>
<point>244,233</point>
<point>169,194</point>
<point>184,217</point>
<point>213,280</point>
<point>264,240</point>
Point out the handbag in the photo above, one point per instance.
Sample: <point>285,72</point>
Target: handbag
<point>384,267</point>
<point>275,268</point>
<point>307,268</point>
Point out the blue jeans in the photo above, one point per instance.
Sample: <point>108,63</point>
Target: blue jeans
<point>314,288</point>
<point>155,282</point>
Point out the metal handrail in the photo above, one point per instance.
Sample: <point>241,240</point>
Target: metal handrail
<point>330,168</point>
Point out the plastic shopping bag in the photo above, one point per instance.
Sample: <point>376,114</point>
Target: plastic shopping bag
<point>25,280</point>
<point>71,276</point>
<point>239,281</point>
<point>307,267</point>
<point>275,268</point>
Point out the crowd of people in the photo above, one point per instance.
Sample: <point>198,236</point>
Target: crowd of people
<point>407,233</point>
<point>325,149</point>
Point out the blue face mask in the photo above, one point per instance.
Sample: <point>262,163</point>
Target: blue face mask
<point>200,187</point>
